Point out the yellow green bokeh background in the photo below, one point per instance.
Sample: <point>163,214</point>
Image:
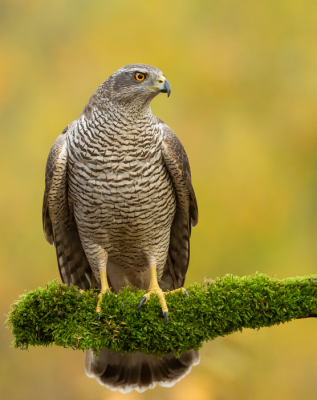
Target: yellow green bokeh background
<point>243,103</point>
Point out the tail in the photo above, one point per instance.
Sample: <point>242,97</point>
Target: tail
<point>127,372</point>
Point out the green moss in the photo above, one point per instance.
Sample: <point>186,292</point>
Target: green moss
<point>57,314</point>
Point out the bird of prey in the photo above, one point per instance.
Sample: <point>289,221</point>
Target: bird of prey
<point>119,206</point>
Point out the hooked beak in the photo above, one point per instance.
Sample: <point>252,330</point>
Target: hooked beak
<point>164,85</point>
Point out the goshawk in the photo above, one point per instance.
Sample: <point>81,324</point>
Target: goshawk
<point>118,206</point>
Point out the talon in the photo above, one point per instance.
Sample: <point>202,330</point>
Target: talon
<point>97,316</point>
<point>122,303</point>
<point>142,301</point>
<point>185,291</point>
<point>165,316</point>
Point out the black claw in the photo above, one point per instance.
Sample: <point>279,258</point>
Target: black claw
<point>165,316</point>
<point>141,303</point>
<point>185,291</point>
<point>122,303</point>
<point>97,316</point>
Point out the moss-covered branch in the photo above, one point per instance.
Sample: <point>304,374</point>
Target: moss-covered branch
<point>217,308</point>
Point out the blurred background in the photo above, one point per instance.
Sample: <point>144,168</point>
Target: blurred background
<point>243,103</point>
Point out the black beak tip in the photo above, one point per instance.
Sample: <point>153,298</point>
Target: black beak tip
<point>166,88</point>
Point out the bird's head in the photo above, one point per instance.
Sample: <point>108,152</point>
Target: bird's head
<point>129,89</point>
<point>137,82</point>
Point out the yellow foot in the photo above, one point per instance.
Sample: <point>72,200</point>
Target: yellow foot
<point>161,295</point>
<point>98,309</point>
<point>183,290</point>
<point>81,292</point>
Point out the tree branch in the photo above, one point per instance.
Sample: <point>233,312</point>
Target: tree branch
<point>58,314</point>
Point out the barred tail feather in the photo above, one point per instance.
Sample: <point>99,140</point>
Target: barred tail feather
<point>127,372</point>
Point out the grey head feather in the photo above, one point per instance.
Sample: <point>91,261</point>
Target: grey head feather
<point>122,89</point>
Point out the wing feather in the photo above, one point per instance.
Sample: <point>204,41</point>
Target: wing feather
<point>186,215</point>
<point>59,224</point>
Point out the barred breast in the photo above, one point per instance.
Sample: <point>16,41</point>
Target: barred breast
<point>121,193</point>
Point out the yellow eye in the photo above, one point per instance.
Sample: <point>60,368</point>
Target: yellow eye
<point>139,76</point>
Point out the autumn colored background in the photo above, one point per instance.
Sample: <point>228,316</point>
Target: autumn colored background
<point>243,103</point>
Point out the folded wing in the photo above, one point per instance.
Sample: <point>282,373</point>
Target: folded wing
<point>59,224</point>
<point>186,215</point>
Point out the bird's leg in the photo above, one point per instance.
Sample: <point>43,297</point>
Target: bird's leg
<point>154,288</point>
<point>98,260</point>
<point>104,286</point>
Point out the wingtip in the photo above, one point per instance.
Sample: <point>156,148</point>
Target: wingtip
<point>49,239</point>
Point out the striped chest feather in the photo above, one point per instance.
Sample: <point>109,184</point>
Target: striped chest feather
<point>117,171</point>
